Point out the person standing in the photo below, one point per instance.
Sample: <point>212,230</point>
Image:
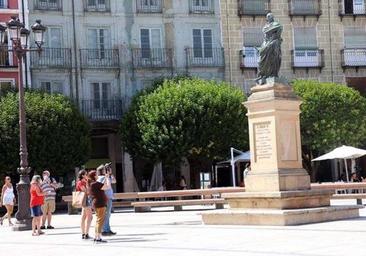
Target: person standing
<point>8,200</point>
<point>99,202</point>
<point>36,202</point>
<point>102,171</point>
<point>182,183</point>
<point>48,187</point>
<point>86,211</point>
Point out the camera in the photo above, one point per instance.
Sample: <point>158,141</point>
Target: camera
<point>108,167</point>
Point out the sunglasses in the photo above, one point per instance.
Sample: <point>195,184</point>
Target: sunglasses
<point>7,179</point>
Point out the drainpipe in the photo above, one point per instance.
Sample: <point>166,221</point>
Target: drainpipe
<point>75,54</point>
<point>229,42</point>
<point>330,43</point>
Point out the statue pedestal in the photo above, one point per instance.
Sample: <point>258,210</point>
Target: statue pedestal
<point>278,189</point>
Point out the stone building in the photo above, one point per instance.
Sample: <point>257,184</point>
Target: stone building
<point>323,40</point>
<point>101,52</point>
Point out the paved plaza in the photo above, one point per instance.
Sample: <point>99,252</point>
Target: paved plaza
<point>182,233</point>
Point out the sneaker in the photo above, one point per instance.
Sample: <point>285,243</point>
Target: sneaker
<point>105,233</point>
<point>50,227</point>
<point>112,233</point>
<point>86,236</point>
<point>43,227</point>
<point>83,236</point>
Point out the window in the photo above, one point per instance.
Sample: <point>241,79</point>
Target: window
<point>53,37</point>
<point>49,4</point>
<point>354,6</point>
<point>354,37</point>
<point>252,38</point>
<point>3,4</point>
<point>201,6</point>
<point>202,43</point>
<point>98,41</point>
<point>52,87</point>
<point>97,5</point>
<point>149,6</point>
<point>306,53</point>
<point>254,7</point>
<point>101,95</point>
<point>150,39</point>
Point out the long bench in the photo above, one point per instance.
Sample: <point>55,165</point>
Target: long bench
<point>173,198</point>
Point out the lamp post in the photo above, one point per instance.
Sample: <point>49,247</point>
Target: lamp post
<point>19,37</point>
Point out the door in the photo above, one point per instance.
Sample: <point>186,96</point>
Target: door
<point>202,46</point>
<point>348,6</point>
<point>151,47</point>
<point>98,42</point>
<point>358,7</point>
<point>101,100</point>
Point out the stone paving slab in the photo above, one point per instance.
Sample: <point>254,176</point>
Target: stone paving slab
<point>182,233</point>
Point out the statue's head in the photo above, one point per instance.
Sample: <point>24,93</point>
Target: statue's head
<point>270,17</point>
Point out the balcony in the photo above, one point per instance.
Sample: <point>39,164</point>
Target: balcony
<point>353,57</point>
<point>152,57</point>
<point>51,58</point>
<point>97,5</point>
<point>149,6</point>
<point>205,57</point>
<point>48,5</point>
<point>102,110</point>
<point>254,7</point>
<point>304,8</point>
<point>307,58</point>
<point>249,58</point>
<point>201,7</point>
<point>99,58</point>
<point>5,58</point>
<point>355,8</point>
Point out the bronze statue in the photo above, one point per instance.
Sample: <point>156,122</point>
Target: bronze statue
<point>270,51</point>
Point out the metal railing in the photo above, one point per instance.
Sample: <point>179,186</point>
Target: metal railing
<point>357,8</point>
<point>5,58</point>
<point>149,6</point>
<point>50,5</point>
<point>99,58</point>
<point>307,58</point>
<point>353,57</point>
<point>152,57</point>
<point>97,5</point>
<point>202,7</point>
<point>304,7</point>
<point>249,58</point>
<point>205,57</point>
<point>51,57</point>
<point>254,7</point>
<point>102,110</point>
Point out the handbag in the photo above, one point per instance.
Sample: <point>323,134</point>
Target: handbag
<point>78,199</point>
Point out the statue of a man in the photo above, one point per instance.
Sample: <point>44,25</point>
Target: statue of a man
<point>270,51</point>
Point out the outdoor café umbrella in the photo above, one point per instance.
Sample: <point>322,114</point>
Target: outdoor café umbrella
<point>344,152</point>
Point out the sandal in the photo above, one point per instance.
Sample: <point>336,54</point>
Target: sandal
<point>35,234</point>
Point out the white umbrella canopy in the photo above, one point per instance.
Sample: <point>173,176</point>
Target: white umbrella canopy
<point>344,152</point>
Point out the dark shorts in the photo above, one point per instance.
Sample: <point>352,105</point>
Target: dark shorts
<point>36,211</point>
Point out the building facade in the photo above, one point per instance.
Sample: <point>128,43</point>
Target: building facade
<point>323,40</point>
<point>101,52</point>
<point>8,62</point>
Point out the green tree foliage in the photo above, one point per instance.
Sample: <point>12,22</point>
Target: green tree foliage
<point>185,118</point>
<point>57,134</point>
<point>332,115</point>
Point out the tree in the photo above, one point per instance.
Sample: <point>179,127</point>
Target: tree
<point>185,118</point>
<point>332,115</point>
<point>57,134</point>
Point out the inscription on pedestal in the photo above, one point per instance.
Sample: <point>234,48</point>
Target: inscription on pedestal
<point>263,141</point>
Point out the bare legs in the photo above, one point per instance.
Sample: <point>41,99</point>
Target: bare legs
<point>47,216</point>
<point>9,212</point>
<point>36,225</point>
<point>86,219</point>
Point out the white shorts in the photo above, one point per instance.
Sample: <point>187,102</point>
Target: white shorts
<point>8,200</point>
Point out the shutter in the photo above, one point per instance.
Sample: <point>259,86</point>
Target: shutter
<point>145,38</point>
<point>197,43</point>
<point>92,39</point>
<point>155,38</point>
<point>91,3</point>
<point>207,43</point>
<point>57,87</point>
<point>252,37</point>
<point>305,38</point>
<point>55,38</point>
<point>354,37</point>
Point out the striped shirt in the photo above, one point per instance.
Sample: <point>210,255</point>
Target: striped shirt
<point>48,190</point>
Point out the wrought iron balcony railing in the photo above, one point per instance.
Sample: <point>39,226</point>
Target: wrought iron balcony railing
<point>355,8</point>
<point>307,58</point>
<point>202,6</point>
<point>50,5</point>
<point>152,57</point>
<point>99,58</point>
<point>102,110</point>
<point>254,7</point>
<point>150,6</point>
<point>7,59</point>
<point>205,57</point>
<point>97,5</point>
<point>51,57</point>
<point>355,57</point>
<point>249,58</point>
<point>305,8</point>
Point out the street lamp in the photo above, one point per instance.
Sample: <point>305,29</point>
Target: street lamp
<point>19,37</point>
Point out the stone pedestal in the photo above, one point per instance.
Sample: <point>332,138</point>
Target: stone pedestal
<point>278,189</point>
